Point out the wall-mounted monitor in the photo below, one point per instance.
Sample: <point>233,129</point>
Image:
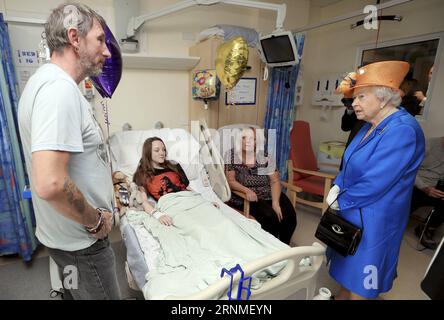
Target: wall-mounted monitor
<point>279,49</point>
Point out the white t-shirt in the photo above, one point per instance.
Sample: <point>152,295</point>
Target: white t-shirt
<point>54,115</point>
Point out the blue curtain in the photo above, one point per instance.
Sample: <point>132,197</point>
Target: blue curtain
<point>280,107</point>
<point>17,224</point>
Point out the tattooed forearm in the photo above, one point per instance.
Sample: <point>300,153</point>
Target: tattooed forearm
<point>74,196</point>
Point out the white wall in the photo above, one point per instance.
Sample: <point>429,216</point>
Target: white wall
<point>27,8</point>
<point>145,97</point>
<point>333,49</point>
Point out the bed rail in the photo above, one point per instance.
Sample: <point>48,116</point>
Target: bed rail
<point>290,280</point>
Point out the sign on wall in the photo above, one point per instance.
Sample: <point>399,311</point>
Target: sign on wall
<point>244,93</point>
<point>25,40</point>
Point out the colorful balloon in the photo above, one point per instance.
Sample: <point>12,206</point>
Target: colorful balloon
<point>231,61</point>
<point>107,82</point>
<point>205,84</point>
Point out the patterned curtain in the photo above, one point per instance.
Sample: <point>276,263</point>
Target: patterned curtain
<point>280,107</point>
<point>16,216</point>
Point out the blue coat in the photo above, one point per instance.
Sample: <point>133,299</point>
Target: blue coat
<point>378,177</point>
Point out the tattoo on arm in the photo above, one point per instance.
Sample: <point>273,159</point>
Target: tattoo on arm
<point>74,196</point>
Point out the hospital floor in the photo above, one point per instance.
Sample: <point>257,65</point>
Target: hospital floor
<point>411,268</point>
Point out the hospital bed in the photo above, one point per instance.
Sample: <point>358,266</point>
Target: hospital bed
<point>303,263</point>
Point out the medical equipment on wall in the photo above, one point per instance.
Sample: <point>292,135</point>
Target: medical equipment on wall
<point>279,49</point>
<point>158,125</point>
<point>324,90</point>
<point>135,23</point>
<point>299,92</point>
<point>127,126</point>
<point>324,93</point>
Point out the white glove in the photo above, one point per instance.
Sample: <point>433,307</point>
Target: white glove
<point>332,197</point>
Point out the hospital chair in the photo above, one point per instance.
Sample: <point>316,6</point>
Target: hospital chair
<point>303,171</point>
<point>423,215</point>
<point>291,193</point>
<point>126,149</point>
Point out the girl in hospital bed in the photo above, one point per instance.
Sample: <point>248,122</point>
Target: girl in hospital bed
<point>159,177</point>
<point>196,237</point>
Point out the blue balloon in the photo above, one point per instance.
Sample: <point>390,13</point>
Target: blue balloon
<point>107,82</point>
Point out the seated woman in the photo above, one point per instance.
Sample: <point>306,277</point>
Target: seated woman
<point>196,238</point>
<point>261,183</point>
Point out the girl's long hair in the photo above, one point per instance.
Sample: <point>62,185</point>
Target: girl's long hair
<point>145,169</point>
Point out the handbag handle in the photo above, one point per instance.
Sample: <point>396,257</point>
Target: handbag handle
<point>360,209</point>
<point>337,197</point>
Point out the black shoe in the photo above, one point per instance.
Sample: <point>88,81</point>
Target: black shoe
<point>427,238</point>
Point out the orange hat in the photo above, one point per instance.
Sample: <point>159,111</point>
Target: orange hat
<point>385,73</point>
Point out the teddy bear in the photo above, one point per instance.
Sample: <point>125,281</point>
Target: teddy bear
<point>135,199</point>
<point>121,191</point>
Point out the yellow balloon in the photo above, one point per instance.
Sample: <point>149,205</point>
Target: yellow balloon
<point>231,61</point>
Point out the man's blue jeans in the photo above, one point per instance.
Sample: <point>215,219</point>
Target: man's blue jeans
<point>88,274</point>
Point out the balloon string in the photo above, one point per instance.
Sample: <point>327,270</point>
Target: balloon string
<point>106,116</point>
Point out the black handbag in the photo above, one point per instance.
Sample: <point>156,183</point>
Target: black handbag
<point>339,234</point>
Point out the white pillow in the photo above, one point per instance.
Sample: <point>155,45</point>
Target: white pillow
<point>126,149</point>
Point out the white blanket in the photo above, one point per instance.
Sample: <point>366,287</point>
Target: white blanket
<point>200,243</point>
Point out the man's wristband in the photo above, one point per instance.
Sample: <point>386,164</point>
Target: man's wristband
<point>100,222</point>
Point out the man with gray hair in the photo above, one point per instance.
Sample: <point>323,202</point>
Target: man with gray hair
<point>66,157</point>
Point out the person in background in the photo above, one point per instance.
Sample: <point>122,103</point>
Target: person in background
<point>66,155</point>
<point>429,190</point>
<point>409,101</point>
<point>420,95</point>
<point>261,184</point>
<point>349,121</point>
<point>374,188</point>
